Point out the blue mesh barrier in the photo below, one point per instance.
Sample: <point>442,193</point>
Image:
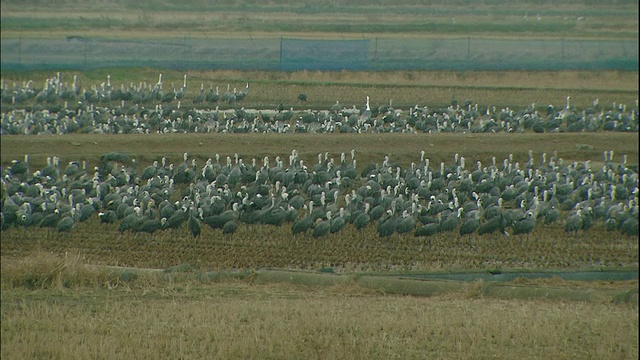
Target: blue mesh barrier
<point>298,54</point>
<point>465,53</point>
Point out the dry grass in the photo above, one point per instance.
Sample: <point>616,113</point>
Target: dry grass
<point>42,270</point>
<point>276,321</point>
<point>349,251</point>
<point>271,315</point>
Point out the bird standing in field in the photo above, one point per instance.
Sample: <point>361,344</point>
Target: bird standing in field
<point>362,220</point>
<point>338,222</point>
<point>551,215</point>
<point>194,224</point>
<point>492,225</point>
<point>302,225</point>
<point>451,222</point>
<point>230,227</point>
<point>387,224</point>
<point>51,220</point>
<point>629,227</point>
<point>574,223</point>
<point>469,226</point>
<point>108,217</point>
<point>406,224</point>
<point>525,225</point>
<point>322,228</point>
<point>65,224</point>
<point>130,221</point>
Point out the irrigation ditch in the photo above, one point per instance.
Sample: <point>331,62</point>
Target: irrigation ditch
<point>588,285</point>
<point>619,286</point>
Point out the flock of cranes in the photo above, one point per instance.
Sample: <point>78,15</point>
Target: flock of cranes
<point>61,108</point>
<point>317,199</point>
<point>323,197</point>
<point>55,91</point>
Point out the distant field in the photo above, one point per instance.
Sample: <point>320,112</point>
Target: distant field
<point>582,19</point>
<point>246,35</point>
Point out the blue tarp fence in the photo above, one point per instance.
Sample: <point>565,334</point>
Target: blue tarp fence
<point>289,54</point>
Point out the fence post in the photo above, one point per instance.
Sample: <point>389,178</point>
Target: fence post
<point>469,48</point>
<point>19,50</point>
<point>280,61</point>
<point>375,52</point>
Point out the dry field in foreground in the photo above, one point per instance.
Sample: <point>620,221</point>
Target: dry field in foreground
<point>62,308</point>
<point>236,320</point>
